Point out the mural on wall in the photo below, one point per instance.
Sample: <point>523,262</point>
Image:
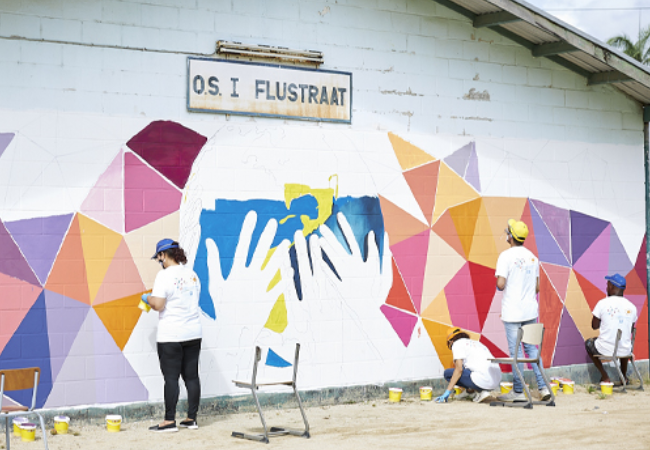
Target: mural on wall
<point>291,269</point>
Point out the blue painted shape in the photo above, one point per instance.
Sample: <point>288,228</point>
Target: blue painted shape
<point>275,360</point>
<point>223,225</point>
<point>547,247</point>
<point>30,347</point>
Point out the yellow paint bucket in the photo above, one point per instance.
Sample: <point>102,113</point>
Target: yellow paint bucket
<point>28,432</point>
<point>607,388</point>
<point>18,421</point>
<point>458,390</point>
<point>506,387</point>
<point>61,424</point>
<point>426,393</point>
<point>567,387</point>
<point>395,395</point>
<point>554,387</point>
<point>143,306</point>
<point>113,423</point>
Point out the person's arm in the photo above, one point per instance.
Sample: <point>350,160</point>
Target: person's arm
<point>501,283</point>
<point>458,371</point>
<point>157,303</point>
<point>537,286</point>
<point>595,323</point>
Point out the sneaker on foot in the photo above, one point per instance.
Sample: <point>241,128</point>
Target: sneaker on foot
<point>462,395</point>
<point>189,423</point>
<point>482,396</point>
<point>544,394</point>
<point>169,428</point>
<point>513,396</point>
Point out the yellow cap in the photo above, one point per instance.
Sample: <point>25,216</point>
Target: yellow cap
<point>453,332</point>
<point>518,230</point>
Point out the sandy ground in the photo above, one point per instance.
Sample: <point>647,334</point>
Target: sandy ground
<point>581,420</point>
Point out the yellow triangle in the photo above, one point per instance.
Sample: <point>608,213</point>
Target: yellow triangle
<point>499,210</point>
<point>443,262</point>
<point>452,190</point>
<point>438,309</point>
<point>99,245</point>
<point>483,250</point>
<point>465,217</point>
<point>277,320</point>
<point>408,155</point>
<point>576,304</point>
<point>142,244</point>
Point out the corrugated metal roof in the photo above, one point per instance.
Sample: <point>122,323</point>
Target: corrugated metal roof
<point>549,37</point>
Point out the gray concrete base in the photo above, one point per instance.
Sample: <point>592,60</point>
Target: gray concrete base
<point>132,412</point>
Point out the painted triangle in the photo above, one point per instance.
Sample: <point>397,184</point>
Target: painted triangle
<point>398,296</point>
<point>593,264</point>
<point>558,277</point>
<point>483,250</point>
<point>438,310</point>
<point>120,317</point>
<point>170,148</point>
<point>104,202</point>
<point>442,264</point>
<point>493,326</point>
<point>531,242</point>
<point>423,181</point>
<point>5,140</point>
<point>39,240</point>
<point>619,261</point>
<point>399,224</point>
<point>550,313</point>
<point>640,264</point>
<point>584,230</point>
<point>438,334</point>
<point>461,301</point>
<point>548,248</point>
<point>577,305</point>
<point>452,190</point>
<point>410,256</point>
<point>459,159</point>
<point>122,278</point>
<point>558,222</point>
<point>408,155</point>
<point>570,348</point>
<point>484,287</point>
<point>446,229</point>
<point>496,352</point>
<point>402,322</point>
<point>275,360</point>
<point>641,340</point>
<point>12,261</point>
<point>592,294</point>
<point>472,172</point>
<point>465,217</point>
<point>16,300</point>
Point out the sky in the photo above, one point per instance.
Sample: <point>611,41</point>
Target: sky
<point>603,19</point>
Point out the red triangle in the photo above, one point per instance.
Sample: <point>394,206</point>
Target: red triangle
<point>423,182</point>
<point>497,353</point>
<point>484,285</point>
<point>147,195</point>
<point>640,265</point>
<point>550,314</point>
<point>634,285</point>
<point>559,277</point>
<point>398,296</point>
<point>641,340</point>
<point>526,218</point>
<point>122,278</point>
<point>592,294</point>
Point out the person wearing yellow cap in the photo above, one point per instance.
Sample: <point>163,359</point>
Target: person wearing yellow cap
<point>472,367</point>
<point>517,276</point>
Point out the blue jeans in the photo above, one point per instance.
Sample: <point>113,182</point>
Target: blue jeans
<point>531,351</point>
<point>464,381</point>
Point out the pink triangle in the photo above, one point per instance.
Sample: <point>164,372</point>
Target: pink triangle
<point>493,326</point>
<point>593,263</point>
<point>460,301</point>
<point>16,299</point>
<point>122,278</point>
<point>104,201</point>
<point>638,301</point>
<point>402,322</point>
<point>559,276</point>
<point>411,258</point>
<point>147,195</point>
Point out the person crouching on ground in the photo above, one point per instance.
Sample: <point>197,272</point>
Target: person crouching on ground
<point>612,313</point>
<point>473,369</point>
<point>175,296</point>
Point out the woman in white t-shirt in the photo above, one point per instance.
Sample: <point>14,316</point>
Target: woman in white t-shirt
<point>175,296</point>
<point>472,369</point>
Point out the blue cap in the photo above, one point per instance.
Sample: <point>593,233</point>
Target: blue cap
<point>617,280</point>
<point>163,245</point>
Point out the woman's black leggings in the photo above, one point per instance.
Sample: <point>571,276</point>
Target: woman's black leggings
<point>180,359</point>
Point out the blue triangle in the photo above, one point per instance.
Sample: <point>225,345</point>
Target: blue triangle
<point>275,360</point>
<point>30,347</point>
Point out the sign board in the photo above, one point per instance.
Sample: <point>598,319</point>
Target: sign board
<point>234,87</point>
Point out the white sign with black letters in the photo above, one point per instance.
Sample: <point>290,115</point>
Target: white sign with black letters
<point>234,87</point>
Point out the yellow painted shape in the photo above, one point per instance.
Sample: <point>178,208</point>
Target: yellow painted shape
<point>499,210</point>
<point>452,190</point>
<point>99,245</point>
<point>438,309</point>
<point>443,262</point>
<point>465,217</point>
<point>283,220</point>
<point>324,199</point>
<point>408,155</point>
<point>483,250</point>
<point>120,317</point>
<point>277,320</point>
<point>142,244</point>
<point>438,335</point>
<point>576,304</point>
<point>276,279</point>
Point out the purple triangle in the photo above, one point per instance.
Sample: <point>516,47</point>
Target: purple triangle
<point>619,261</point>
<point>460,158</point>
<point>5,140</point>
<point>593,264</point>
<point>39,240</point>
<point>558,223</point>
<point>402,322</point>
<point>570,347</point>
<point>640,264</point>
<point>115,379</point>
<point>547,248</point>
<point>64,319</point>
<point>12,261</point>
<point>584,230</point>
<point>471,174</point>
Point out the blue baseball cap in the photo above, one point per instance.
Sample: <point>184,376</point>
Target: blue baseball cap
<point>163,245</point>
<point>617,280</point>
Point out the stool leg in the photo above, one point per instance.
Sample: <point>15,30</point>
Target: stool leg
<point>302,411</point>
<point>259,410</point>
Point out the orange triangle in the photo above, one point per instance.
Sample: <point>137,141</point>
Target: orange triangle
<point>446,229</point>
<point>465,217</point>
<point>423,181</point>
<point>499,210</point>
<point>483,250</point>
<point>576,304</point>
<point>68,276</point>
<point>399,224</point>
<point>438,309</point>
<point>452,190</point>
<point>438,335</point>
<point>526,218</point>
<point>592,294</point>
<point>122,277</point>
<point>398,296</point>
<point>407,154</point>
<point>120,317</point>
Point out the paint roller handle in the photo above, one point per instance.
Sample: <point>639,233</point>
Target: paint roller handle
<point>444,397</point>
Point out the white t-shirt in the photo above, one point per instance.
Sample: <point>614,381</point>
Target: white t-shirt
<point>180,320</point>
<point>476,356</point>
<point>615,312</point>
<point>520,268</point>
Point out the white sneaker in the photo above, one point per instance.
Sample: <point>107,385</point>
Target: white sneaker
<point>462,395</point>
<point>512,396</point>
<point>544,394</point>
<point>482,396</point>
